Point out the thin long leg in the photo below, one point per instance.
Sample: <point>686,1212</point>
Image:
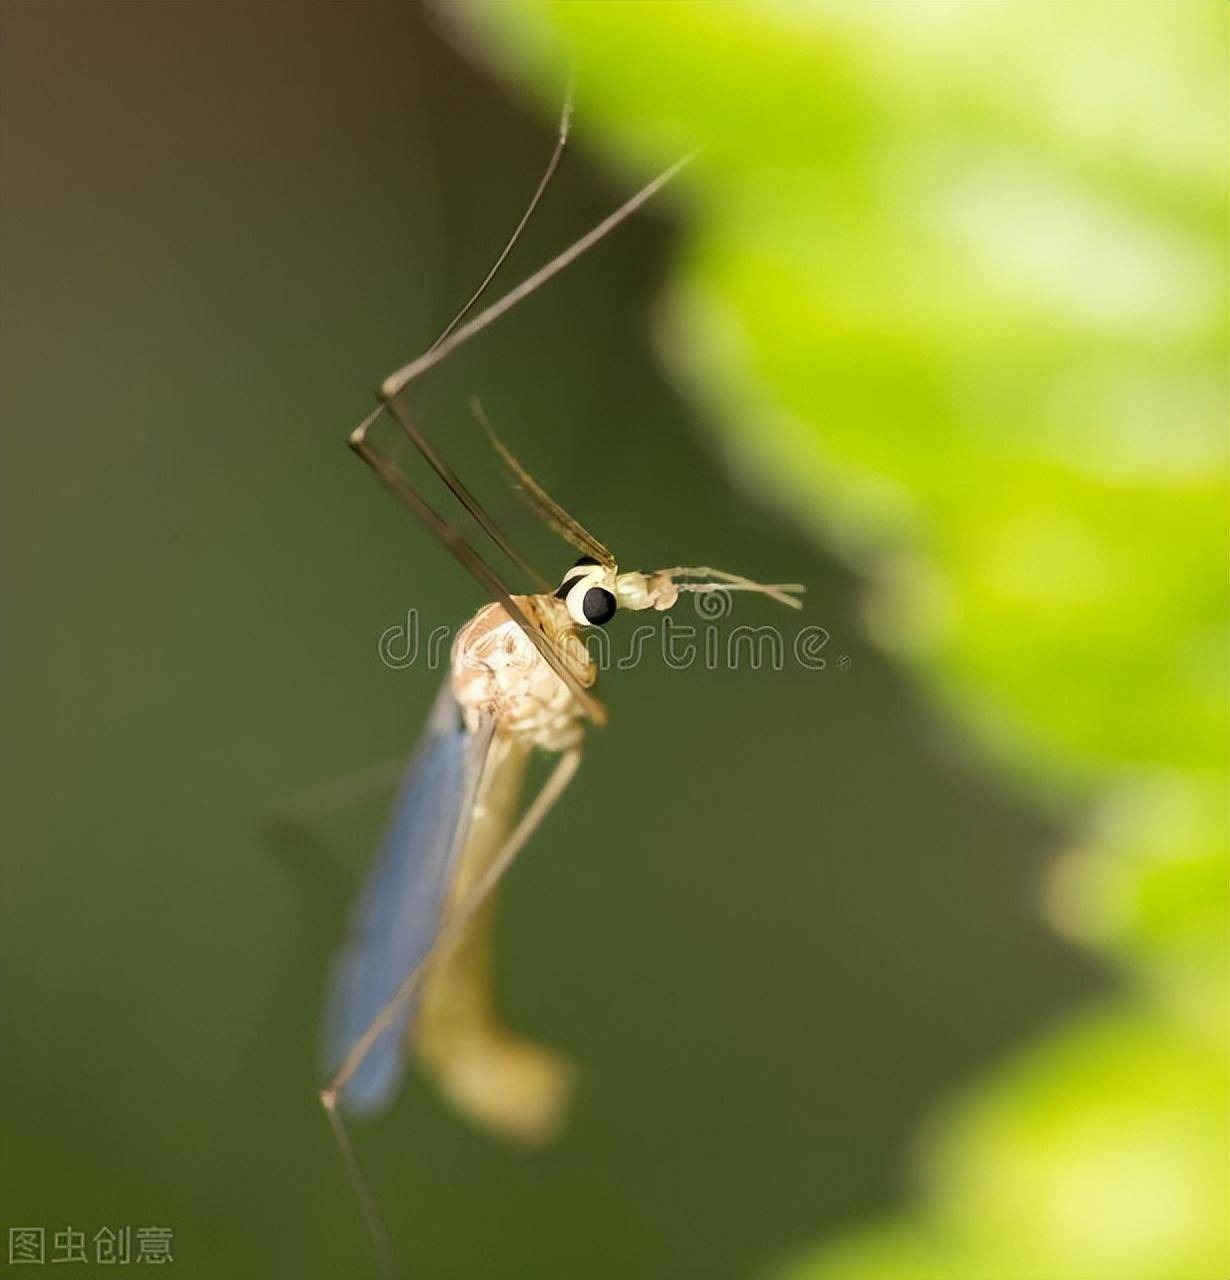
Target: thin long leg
<point>565,121</point>
<point>540,501</point>
<point>396,382</point>
<point>459,490</point>
<point>455,485</point>
<point>452,929</point>
<point>392,475</point>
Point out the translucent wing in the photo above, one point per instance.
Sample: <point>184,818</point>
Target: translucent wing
<point>396,917</point>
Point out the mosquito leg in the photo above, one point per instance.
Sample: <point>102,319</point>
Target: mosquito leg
<point>416,437</point>
<point>561,141</point>
<point>540,501</point>
<point>452,929</point>
<point>354,1171</point>
<point>391,474</point>
<point>451,479</point>
<point>529,822</point>
<point>397,381</point>
<point>462,493</point>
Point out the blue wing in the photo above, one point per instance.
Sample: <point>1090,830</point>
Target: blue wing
<point>396,917</point>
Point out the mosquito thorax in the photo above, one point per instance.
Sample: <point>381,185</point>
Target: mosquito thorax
<point>496,670</point>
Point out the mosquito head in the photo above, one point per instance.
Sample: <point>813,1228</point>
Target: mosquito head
<point>594,591</point>
<point>588,590</point>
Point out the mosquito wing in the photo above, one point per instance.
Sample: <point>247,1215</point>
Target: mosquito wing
<point>396,917</point>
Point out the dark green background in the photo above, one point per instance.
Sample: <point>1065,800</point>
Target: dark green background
<point>781,914</point>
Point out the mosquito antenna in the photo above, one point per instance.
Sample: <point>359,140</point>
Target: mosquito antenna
<point>397,381</point>
<point>783,592</point>
<point>565,123</point>
<point>779,591</point>
<point>478,568</point>
<point>540,501</point>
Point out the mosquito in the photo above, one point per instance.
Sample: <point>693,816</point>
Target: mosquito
<point>413,976</point>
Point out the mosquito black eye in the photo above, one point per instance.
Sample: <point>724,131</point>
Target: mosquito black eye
<point>584,560</point>
<point>598,606</point>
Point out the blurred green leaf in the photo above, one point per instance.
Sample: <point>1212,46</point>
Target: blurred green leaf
<point>953,291</point>
<point>1099,1155</point>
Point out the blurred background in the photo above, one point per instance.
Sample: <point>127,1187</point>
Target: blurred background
<point>911,966</point>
